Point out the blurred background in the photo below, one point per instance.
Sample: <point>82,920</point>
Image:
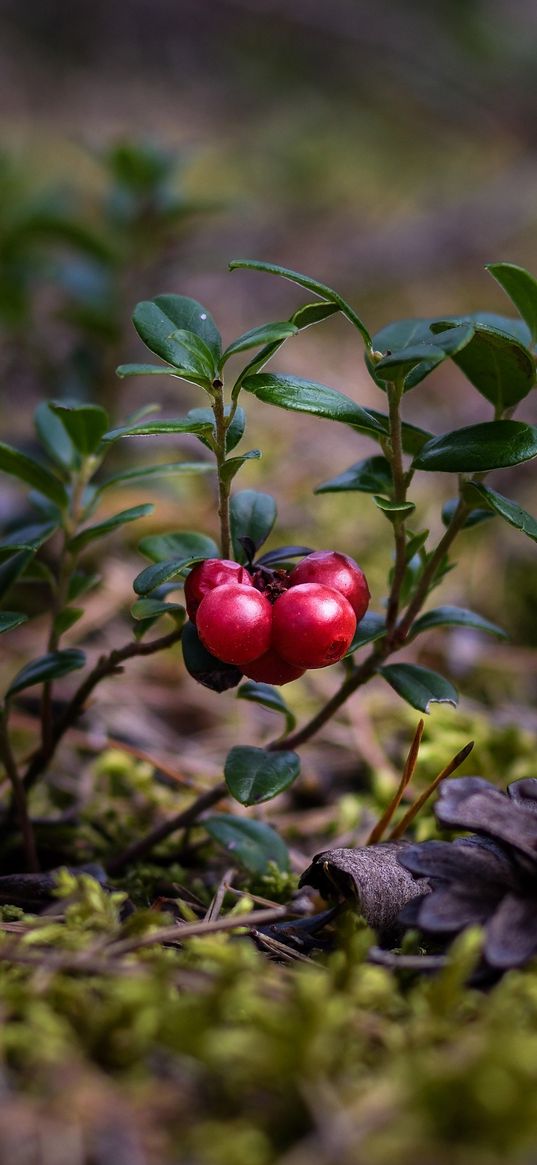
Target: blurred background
<point>389,150</point>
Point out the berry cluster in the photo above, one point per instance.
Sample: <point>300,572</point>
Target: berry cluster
<point>274,624</point>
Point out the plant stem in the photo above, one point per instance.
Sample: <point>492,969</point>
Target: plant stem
<point>221,427</point>
<point>399,497</point>
<point>422,590</point>
<point>107,665</point>
<point>19,795</point>
<point>180,821</point>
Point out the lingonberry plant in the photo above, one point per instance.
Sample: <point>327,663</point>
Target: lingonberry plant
<point>269,617</point>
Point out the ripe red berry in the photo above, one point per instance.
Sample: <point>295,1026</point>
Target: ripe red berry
<point>270,668</point>
<point>234,622</point>
<point>339,571</point>
<point>211,573</point>
<point>312,625</point>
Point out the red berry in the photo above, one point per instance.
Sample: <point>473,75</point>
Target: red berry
<point>207,575</point>
<point>339,571</point>
<point>312,625</point>
<point>234,623</point>
<point>270,668</point>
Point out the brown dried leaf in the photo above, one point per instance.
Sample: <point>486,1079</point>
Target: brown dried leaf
<point>370,878</point>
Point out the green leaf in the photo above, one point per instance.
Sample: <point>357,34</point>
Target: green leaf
<point>169,469</point>
<point>234,432</point>
<point>13,562</point>
<point>268,697</point>
<point>515,328</point>
<point>26,469</point>
<point>252,515</point>
<point>254,774</point>
<point>369,629</point>
<point>521,288</point>
<point>500,367</point>
<point>80,583</point>
<point>54,438</point>
<point>313,313</point>
<point>413,362</point>
<point>419,686</point>
<point>32,536</point>
<point>47,667</point>
<point>477,448</point>
<point>306,396</point>
<point>455,617</point>
<point>184,544</point>
<point>266,334</point>
<point>85,424</point>
<point>205,668</point>
<point>154,428</point>
<point>124,370</point>
<point>189,315</point>
<point>394,509</point>
<point>510,511</point>
<point>66,619</point>
<point>101,528</point>
<point>233,464</point>
<point>371,476</point>
<point>11,619</point>
<point>252,843</point>
<point>473,519</point>
<point>154,608</point>
<point>182,347</point>
<point>162,572</point>
<point>319,289</point>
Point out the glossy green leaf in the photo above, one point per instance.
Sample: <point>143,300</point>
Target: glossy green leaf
<point>521,288</point>
<point>455,617</point>
<point>153,608</point>
<point>85,424</point>
<point>182,347</point>
<point>313,313</point>
<point>252,515</point>
<point>515,328</point>
<point>163,572</point>
<point>477,448</point>
<point>500,367</point>
<point>256,337</point>
<point>413,362</point>
<point>233,464</point>
<point>369,629</point>
<point>319,289</point>
<point>91,533</point>
<point>13,563</point>
<point>154,428</point>
<point>124,370</point>
<point>34,535</point>
<point>11,619</point>
<point>371,476</point>
<point>252,843</point>
<point>254,774</point>
<point>394,509</point>
<point>143,472</point>
<point>18,465</point>
<point>473,519</point>
<point>183,544</point>
<point>235,431</point>
<point>269,697</point>
<point>189,315</point>
<point>46,668</point>
<point>419,686</point>
<point>306,396</point>
<point>54,438</point>
<point>205,668</point>
<point>510,511</point>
